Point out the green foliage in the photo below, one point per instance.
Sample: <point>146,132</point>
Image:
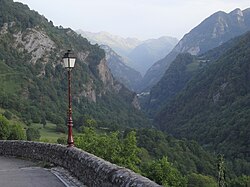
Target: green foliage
<point>43,121</point>
<point>16,132</point>
<point>62,140</point>
<point>9,131</point>
<point>18,13</point>
<point>86,121</point>
<point>241,181</point>
<point>39,90</point>
<point>4,128</point>
<point>61,128</point>
<point>174,80</point>
<point>7,114</point>
<point>109,147</point>
<point>129,152</point>
<point>146,151</point>
<point>165,174</point>
<point>186,156</point>
<point>213,108</point>
<point>32,134</point>
<point>195,180</point>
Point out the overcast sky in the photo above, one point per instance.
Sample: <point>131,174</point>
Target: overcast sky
<point>143,19</point>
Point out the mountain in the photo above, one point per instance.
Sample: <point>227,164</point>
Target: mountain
<point>122,46</point>
<point>139,55</point>
<point>123,73</point>
<point>212,32</point>
<point>173,81</point>
<point>33,83</point>
<point>213,108</point>
<point>150,51</point>
<point>179,73</point>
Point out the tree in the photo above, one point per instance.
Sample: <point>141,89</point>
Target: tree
<point>62,140</point>
<point>61,128</point>
<point>200,180</point>
<point>130,152</point>
<point>221,171</point>
<point>241,181</point>
<point>162,172</point>
<point>32,134</point>
<point>43,121</point>
<point>16,132</point>
<point>110,147</point>
<point>7,114</point>
<point>4,128</point>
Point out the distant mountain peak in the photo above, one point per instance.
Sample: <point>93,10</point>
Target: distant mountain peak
<point>118,43</point>
<point>137,54</point>
<point>246,10</point>
<point>236,11</point>
<point>210,33</point>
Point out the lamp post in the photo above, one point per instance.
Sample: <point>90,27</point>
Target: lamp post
<point>69,63</point>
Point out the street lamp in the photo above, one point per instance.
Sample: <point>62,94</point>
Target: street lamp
<point>69,63</point>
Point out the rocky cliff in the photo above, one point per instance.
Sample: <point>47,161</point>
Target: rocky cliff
<point>31,50</point>
<point>123,73</point>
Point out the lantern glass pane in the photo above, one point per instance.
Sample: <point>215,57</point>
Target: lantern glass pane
<point>65,62</point>
<point>72,62</point>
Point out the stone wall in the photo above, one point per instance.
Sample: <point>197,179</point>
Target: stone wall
<point>91,170</point>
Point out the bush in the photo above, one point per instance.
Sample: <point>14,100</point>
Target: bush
<point>4,128</point>
<point>163,172</point>
<point>7,114</point>
<point>201,180</point>
<point>16,132</point>
<point>32,134</point>
<point>61,128</point>
<point>62,140</point>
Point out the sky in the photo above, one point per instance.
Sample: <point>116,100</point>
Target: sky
<point>141,19</point>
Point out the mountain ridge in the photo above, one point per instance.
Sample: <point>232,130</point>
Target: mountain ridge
<point>212,108</point>
<point>123,73</point>
<point>210,33</point>
<point>121,45</point>
<point>149,51</point>
<point>31,49</point>
<point>139,54</point>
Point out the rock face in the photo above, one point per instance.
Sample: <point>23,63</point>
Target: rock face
<point>31,50</point>
<point>122,46</point>
<point>36,42</point>
<point>123,73</point>
<point>212,32</point>
<point>91,170</point>
<point>105,74</point>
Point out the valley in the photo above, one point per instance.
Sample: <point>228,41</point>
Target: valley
<point>171,110</point>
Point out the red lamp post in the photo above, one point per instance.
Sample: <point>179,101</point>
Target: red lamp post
<point>69,63</point>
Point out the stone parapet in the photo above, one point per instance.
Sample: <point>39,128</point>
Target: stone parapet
<point>91,170</point>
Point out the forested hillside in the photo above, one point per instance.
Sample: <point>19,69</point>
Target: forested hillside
<point>214,106</point>
<point>34,83</point>
<point>210,33</point>
<point>179,73</point>
<point>173,81</point>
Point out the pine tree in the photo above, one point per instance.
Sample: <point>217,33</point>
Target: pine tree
<point>221,171</point>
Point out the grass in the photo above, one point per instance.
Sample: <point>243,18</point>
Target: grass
<point>193,66</point>
<point>48,134</point>
<point>10,80</point>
